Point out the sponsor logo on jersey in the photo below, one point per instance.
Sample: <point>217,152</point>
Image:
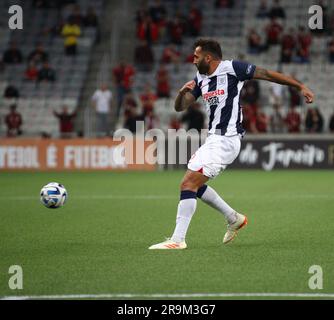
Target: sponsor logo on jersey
<point>208,95</point>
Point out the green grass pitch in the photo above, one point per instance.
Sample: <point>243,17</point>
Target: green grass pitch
<point>97,243</point>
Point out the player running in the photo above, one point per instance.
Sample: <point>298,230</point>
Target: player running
<point>219,82</point>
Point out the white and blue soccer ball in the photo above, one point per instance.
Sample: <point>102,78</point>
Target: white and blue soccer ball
<point>53,195</point>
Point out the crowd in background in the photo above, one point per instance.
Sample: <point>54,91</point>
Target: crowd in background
<point>295,45</point>
<point>71,23</point>
<point>155,25</point>
<point>255,120</point>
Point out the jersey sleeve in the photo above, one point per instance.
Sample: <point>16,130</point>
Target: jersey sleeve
<point>196,92</point>
<point>243,70</point>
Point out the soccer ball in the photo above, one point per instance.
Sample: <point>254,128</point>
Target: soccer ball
<point>53,195</point>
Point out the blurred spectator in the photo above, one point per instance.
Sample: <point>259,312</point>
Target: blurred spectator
<point>176,31</point>
<point>71,31</point>
<point>129,102</point>
<point>148,30</point>
<point>46,73</point>
<point>141,14</point>
<point>163,86</point>
<point>331,124</point>
<point>12,55</point>
<point>171,55</point>
<point>54,30</point>
<point>288,44</point>
<point>295,96</point>
<point>304,41</point>
<point>13,121</point>
<point>123,77</point>
<point>76,16</point>
<point>31,73</point>
<point>101,102</point>
<point>273,32</point>
<point>249,113</point>
<point>189,58</point>
<point>90,19</point>
<point>157,12</point>
<point>262,11</point>
<point>314,121</point>
<point>254,42</point>
<point>194,117</point>
<point>293,120</point>
<point>130,120</point>
<point>150,120</point>
<point>144,57</point>
<point>148,98</point>
<point>175,123</point>
<point>250,93</point>
<point>224,4</point>
<point>277,120</point>
<point>66,124</point>
<point>11,92</point>
<point>194,21</point>
<point>277,11</point>
<point>276,94</point>
<point>39,55</point>
<point>331,50</point>
<point>262,121</point>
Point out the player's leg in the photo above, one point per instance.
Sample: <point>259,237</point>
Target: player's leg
<point>209,196</point>
<point>227,150</point>
<point>190,184</point>
<point>234,219</point>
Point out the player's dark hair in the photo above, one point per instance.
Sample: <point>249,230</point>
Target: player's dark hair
<point>211,46</point>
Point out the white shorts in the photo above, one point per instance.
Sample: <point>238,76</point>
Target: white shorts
<point>215,154</point>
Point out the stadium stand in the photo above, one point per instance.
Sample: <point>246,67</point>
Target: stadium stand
<point>231,26</point>
<point>227,21</point>
<point>38,100</point>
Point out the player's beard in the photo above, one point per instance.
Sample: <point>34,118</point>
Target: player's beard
<point>203,67</point>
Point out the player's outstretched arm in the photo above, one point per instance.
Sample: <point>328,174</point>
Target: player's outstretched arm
<point>273,76</point>
<point>184,98</point>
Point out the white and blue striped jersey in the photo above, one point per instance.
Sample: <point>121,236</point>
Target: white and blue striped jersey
<point>221,94</point>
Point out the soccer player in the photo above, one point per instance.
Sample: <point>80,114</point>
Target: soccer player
<point>219,82</point>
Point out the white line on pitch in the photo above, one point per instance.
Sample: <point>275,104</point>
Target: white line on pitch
<point>171,295</point>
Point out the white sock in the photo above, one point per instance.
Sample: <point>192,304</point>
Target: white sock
<point>185,212</point>
<point>212,198</point>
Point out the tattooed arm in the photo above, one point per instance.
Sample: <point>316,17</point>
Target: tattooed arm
<point>184,99</point>
<point>273,76</point>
